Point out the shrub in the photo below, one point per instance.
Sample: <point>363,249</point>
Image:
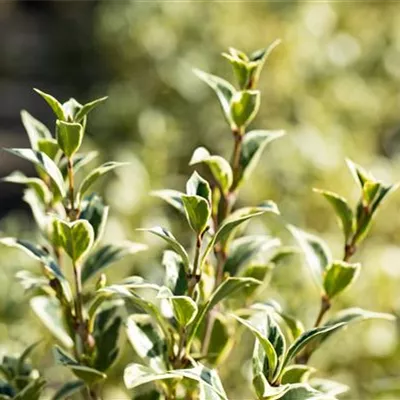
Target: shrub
<point>182,329</point>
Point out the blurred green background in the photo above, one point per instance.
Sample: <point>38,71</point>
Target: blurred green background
<point>333,85</point>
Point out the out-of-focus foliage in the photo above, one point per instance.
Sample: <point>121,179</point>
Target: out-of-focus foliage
<point>333,85</point>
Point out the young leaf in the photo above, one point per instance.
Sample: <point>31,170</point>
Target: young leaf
<point>239,62</point>
<point>35,252</point>
<point>233,221</point>
<point>343,212</point>
<point>35,129</point>
<point>54,104</point>
<point>146,341</point>
<point>87,374</point>
<point>40,188</point>
<point>244,107</point>
<point>45,163</point>
<point>136,375</point>
<point>296,374</point>
<point>270,352</point>
<point>244,249</point>
<point>222,88</point>
<point>76,238</point>
<point>198,186</point>
<point>198,212</point>
<point>219,167</point>
<point>89,107</point>
<point>184,308</point>
<point>106,255</point>
<point>71,107</point>
<point>170,239</point>
<point>96,174</point>
<point>49,312</point>
<point>95,211</point>
<point>172,197</point>
<point>253,144</point>
<point>360,175</point>
<point>68,389</point>
<point>316,253</point>
<point>227,288</point>
<point>69,137</point>
<point>175,276</point>
<point>338,276</point>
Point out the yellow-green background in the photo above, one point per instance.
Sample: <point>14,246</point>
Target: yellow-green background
<point>333,85</point>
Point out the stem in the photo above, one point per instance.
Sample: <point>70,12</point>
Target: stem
<point>70,166</point>
<point>194,278</point>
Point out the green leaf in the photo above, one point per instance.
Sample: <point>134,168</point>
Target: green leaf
<point>244,249</point>
<point>35,129</point>
<point>219,167</point>
<point>37,253</point>
<point>227,288</point>
<point>68,389</point>
<point>49,312</point>
<point>94,211</point>
<point>198,186</point>
<point>45,163</point>
<point>360,175</point>
<point>69,137</point>
<point>71,107</point>
<point>170,239</point>
<point>296,374</point>
<point>39,187</point>
<point>172,197</point>
<point>233,221</point>
<point>54,104</point>
<point>184,307</point>
<point>350,315</point>
<point>244,107</point>
<point>106,255</point>
<point>266,345</point>
<point>316,253</point>
<point>89,107</point>
<point>49,147</point>
<point>32,391</point>
<point>306,338</point>
<point>328,387</point>
<point>96,174</point>
<point>254,142</point>
<point>146,341</point>
<point>343,212</point>
<point>106,334</point>
<point>302,391</point>
<point>198,212</point>
<point>87,374</point>
<point>76,238</point>
<point>221,87</point>
<point>175,276</point>
<point>136,375</point>
<point>239,62</point>
<point>338,276</point>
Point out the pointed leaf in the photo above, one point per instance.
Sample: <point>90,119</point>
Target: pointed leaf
<point>89,107</point>
<point>96,174</point>
<point>338,276</point>
<point>69,137</point>
<point>170,239</point>
<point>45,163</point>
<point>343,212</point>
<point>49,312</point>
<point>219,167</point>
<point>175,276</point>
<point>296,374</point>
<point>54,104</point>
<point>316,253</point>
<point>49,147</point>
<point>172,197</point>
<point>35,129</point>
<point>253,144</point>
<point>136,375</point>
<point>198,186</point>
<point>221,87</point>
<point>106,255</point>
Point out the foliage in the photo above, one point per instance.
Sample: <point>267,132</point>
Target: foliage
<point>176,326</point>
